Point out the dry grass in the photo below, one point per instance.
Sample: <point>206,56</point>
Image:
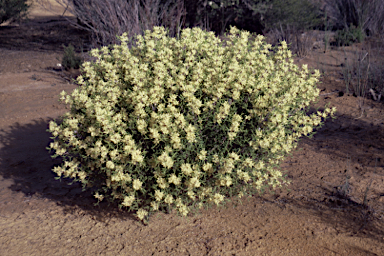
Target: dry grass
<point>364,71</point>
<point>299,43</point>
<point>108,19</point>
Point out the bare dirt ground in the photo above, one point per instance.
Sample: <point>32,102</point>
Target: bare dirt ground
<point>323,213</point>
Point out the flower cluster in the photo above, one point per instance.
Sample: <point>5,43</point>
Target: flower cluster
<point>174,122</point>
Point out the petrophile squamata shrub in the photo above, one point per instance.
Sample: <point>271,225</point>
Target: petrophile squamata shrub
<point>182,123</point>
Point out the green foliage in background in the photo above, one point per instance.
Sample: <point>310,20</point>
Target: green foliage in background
<point>349,36</point>
<point>70,58</point>
<point>300,14</point>
<point>289,20</point>
<point>183,123</point>
<point>218,15</point>
<point>13,9</point>
<point>254,15</point>
<point>367,15</point>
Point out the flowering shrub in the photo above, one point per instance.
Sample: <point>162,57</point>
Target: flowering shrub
<point>179,123</point>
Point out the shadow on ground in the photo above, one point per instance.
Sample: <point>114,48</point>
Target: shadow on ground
<point>350,138</point>
<point>25,160</point>
<point>47,33</point>
<point>342,213</point>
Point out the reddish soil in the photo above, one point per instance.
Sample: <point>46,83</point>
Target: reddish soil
<point>334,206</point>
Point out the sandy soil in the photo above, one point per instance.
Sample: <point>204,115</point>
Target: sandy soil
<point>323,213</point>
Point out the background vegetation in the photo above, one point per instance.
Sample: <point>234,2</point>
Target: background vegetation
<point>12,9</point>
<point>366,15</point>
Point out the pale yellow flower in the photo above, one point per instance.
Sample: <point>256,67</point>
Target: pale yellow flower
<point>98,196</point>
<point>227,181</point>
<point>243,176</point>
<point>136,156</point>
<point>165,160</point>
<point>137,184</point>
<point>248,162</point>
<point>174,179</point>
<point>202,155</point>
<point>110,165</point>
<point>141,126</point>
<point>169,199</point>
<point>260,165</point>
<point>236,95</point>
<point>190,130</point>
<point>158,195</point>
<point>115,138</point>
<point>234,156</point>
<point>191,194</point>
<point>128,200</point>
<point>186,169</point>
<point>60,151</point>
<point>183,210</point>
<point>141,213</point>
<point>218,198</point>
<point>162,183</point>
<point>154,135</point>
<point>231,135</point>
<point>176,141</point>
<point>216,158</point>
<point>114,154</point>
<point>208,167</point>
<point>58,170</point>
<point>193,182</point>
<point>155,206</point>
